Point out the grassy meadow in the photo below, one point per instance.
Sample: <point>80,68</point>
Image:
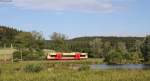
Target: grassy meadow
<point>66,71</point>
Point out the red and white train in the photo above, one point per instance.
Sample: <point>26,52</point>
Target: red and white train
<point>67,56</point>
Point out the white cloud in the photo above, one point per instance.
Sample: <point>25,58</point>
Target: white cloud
<point>90,6</point>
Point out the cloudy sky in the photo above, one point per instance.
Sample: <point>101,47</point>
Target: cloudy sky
<point>78,17</point>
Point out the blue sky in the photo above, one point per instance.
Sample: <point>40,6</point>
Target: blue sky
<point>77,18</point>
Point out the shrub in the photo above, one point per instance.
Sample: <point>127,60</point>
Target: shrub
<point>16,55</point>
<point>16,60</point>
<point>33,68</point>
<point>84,68</point>
<point>29,55</point>
<point>114,57</point>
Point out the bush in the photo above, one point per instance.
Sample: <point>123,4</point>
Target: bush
<point>33,68</point>
<point>84,68</point>
<point>114,57</point>
<point>29,55</point>
<point>16,60</point>
<point>16,55</point>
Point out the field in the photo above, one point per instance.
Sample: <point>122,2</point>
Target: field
<point>66,71</point>
<point>6,55</point>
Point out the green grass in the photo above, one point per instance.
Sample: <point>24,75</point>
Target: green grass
<point>65,71</point>
<point>86,61</point>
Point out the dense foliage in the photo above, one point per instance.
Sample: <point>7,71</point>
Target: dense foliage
<point>146,48</point>
<point>7,36</point>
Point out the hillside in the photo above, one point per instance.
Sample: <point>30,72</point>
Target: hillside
<point>109,38</point>
<point>7,35</point>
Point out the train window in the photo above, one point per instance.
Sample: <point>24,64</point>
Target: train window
<point>53,55</point>
<point>68,55</point>
<point>82,55</point>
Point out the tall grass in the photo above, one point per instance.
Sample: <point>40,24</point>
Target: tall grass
<point>65,72</point>
<point>33,68</point>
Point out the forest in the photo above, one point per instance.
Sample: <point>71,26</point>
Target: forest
<point>114,50</point>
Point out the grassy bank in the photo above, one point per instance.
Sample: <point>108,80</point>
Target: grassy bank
<point>71,75</point>
<point>87,61</point>
<point>65,71</point>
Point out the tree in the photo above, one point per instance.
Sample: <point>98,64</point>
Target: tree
<point>107,47</point>
<point>7,36</point>
<point>146,48</point>
<point>23,40</point>
<point>135,57</point>
<point>59,43</point>
<point>37,40</point>
<point>114,57</point>
<point>97,47</point>
<point>29,40</point>
<point>58,36</point>
<point>29,44</point>
<point>118,55</point>
<point>136,54</point>
<point>121,46</point>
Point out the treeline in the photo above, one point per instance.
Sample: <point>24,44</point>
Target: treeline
<point>7,36</point>
<point>118,50</point>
